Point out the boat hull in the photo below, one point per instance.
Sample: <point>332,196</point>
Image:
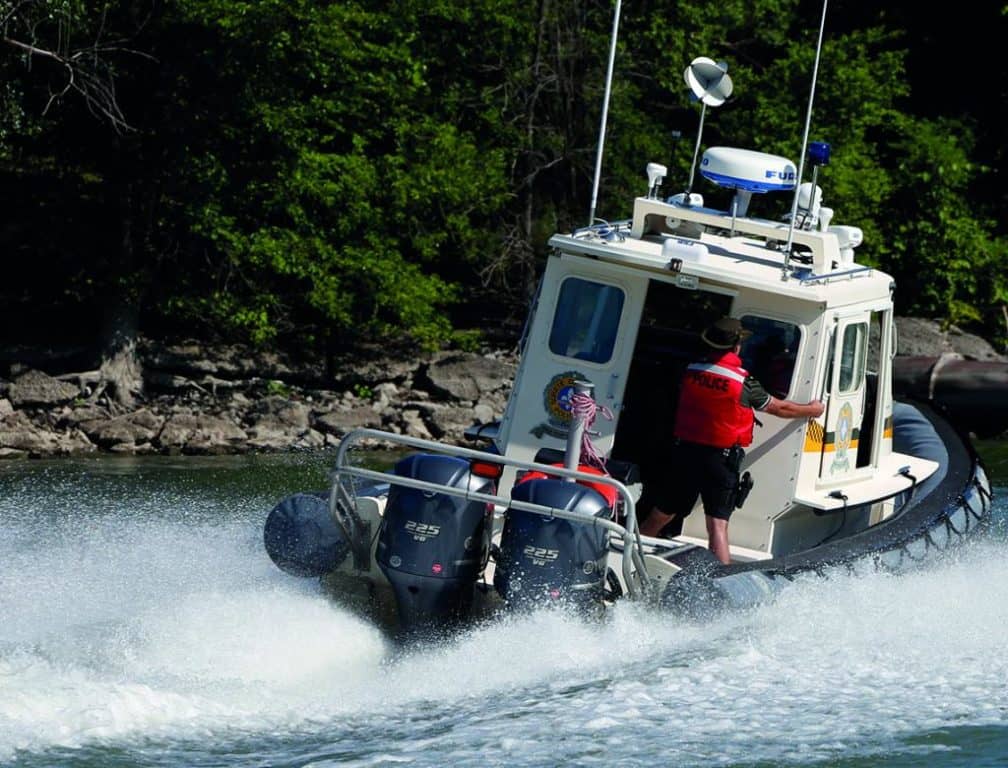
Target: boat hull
<point>939,514</point>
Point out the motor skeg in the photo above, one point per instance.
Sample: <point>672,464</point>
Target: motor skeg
<point>432,546</point>
<point>547,559</point>
<point>302,538</point>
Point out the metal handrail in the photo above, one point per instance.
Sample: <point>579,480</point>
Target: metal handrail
<point>632,561</point>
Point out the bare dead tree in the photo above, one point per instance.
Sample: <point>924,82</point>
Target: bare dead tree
<point>542,100</point>
<point>47,30</point>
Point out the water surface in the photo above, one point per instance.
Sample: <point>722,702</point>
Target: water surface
<point>142,624</point>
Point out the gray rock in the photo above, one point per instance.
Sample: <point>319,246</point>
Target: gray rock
<point>17,432</point>
<point>449,422</point>
<point>339,421</point>
<point>189,358</point>
<point>463,376</point>
<point>71,416</point>
<point>267,437</point>
<point>918,337</point>
<point>178,429</point>
<point>216,436</point>
<point>311,440</point>
<point>196,359</point>
<point>20,436</point>
<point>131,429</point>
<point>200,433</point>
<point>401,372</point>
<point>166,382</point>
<point>384,394</point>
<point>146,419</point>
<point>277,423</point>
<point>484,413</point>
<point>288,415</point>
<point>39,388</point>
<point>413,425</point>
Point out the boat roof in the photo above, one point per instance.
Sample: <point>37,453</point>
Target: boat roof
<point>714,249</point>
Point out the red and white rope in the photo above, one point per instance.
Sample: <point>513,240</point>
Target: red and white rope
<point>585,408</point>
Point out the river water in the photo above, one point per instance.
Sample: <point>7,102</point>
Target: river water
<point>142,624</point>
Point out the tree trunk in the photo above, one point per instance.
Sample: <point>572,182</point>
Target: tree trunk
<point>120,372</point>
<point>119,375</point>
<point>120,368</point>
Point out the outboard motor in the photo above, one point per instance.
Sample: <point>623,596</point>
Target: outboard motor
<point>542,559</point>
<point>432,546</point>
<point>302,538</point>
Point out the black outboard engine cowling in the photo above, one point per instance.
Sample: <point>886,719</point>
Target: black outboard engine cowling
<point>544,560</point>
<point>432,546</point>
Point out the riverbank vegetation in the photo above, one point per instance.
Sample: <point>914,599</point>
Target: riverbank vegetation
<point>307,174</point>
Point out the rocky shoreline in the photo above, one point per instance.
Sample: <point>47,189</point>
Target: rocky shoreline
<point>201,400</point>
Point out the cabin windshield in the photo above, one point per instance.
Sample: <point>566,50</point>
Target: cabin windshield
<point>586,320</point>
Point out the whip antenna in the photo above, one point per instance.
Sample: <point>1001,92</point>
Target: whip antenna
<point>605,113</point>
<point>801,161</point>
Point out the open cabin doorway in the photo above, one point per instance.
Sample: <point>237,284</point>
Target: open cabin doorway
<point>667,341</point>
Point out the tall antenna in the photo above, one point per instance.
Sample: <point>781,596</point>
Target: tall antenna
<point>605,113</point>
<point>801,162</point>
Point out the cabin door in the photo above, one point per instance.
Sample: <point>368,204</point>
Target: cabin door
<point>844,398</point>
<point>584,329</point>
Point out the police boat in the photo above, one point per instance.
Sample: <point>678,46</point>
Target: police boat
<point>542,507</point>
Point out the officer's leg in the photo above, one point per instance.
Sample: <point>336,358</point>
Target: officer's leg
<point>719,501</point>
<point>674,498</point>
<point>717,538</point>
<point>658,523</point>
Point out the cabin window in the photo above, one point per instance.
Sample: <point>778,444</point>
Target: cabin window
<point>868,433</point>
<point>586,320</point>
<point>852,357</point>
<point>771,352</point>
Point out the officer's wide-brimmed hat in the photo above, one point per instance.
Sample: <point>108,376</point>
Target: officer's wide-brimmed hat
<point>725,333</point>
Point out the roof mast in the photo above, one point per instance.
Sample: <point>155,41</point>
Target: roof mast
<point>605,113</point>
<point>801,162</point>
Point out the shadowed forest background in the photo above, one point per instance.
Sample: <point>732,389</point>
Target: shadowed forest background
<point>312,175</point>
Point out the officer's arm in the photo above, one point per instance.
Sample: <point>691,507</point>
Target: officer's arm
<point>788,409</point>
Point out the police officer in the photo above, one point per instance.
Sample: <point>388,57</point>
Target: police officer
<point>714,422</point>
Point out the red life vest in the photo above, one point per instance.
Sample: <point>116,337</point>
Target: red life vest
<point>710,411</point>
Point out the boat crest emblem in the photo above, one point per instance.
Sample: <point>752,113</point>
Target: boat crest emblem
<point>842,439</point>
<point>557,402</point>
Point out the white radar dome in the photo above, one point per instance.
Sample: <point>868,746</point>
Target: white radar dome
<point>748,170</point>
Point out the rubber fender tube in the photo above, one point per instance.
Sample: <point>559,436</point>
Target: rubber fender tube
<point>699,594</point>
<point>302,538</point>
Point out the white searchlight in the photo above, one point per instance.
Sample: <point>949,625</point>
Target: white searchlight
<point>709,82</point>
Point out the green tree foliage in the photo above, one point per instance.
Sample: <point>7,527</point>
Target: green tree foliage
<point>906,178</point>
<point>311,173</point>
<point>333,191</point>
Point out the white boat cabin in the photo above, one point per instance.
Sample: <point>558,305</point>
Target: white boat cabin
<point>622,306</point>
